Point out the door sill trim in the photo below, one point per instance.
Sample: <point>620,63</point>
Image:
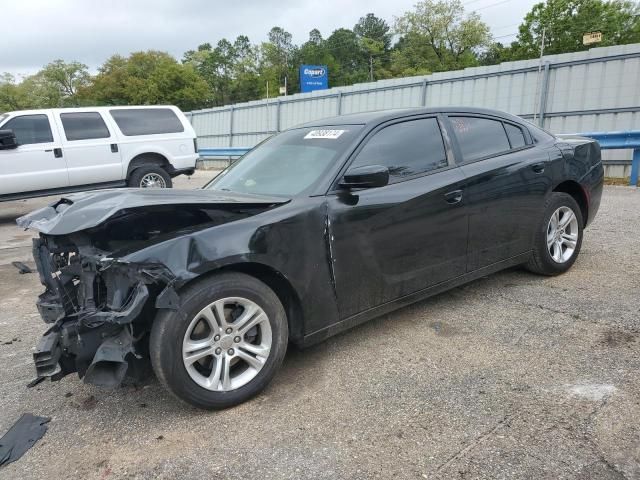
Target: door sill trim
<point>392,305</point>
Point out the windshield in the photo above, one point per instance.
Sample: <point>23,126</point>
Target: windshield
<point>3,117</point>
<point>287,164</point>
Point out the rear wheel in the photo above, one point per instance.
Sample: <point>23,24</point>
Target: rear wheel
<point>151,176</point>
<point>225,343</point>
<point>558,238</point>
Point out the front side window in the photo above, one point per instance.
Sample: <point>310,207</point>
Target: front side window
<point>287,164</point>
<point>146,121</point>
<point>479,137</point>
<point>406,149</point>
<point>30,129</point>
<point>84,126</point>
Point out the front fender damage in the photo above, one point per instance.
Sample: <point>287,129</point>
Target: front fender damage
<point>100,310</point>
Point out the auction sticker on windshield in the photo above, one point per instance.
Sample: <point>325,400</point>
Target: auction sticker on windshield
<point>329,134</point>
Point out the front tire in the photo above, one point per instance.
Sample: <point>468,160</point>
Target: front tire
<point>151,176</point>
<point>558,238</point>
<point>223,345</point>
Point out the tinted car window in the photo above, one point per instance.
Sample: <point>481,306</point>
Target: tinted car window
<point>479,137</point>
<point>84,126</point>
<point>406,148</point>
<point>30,129</point>
<point>516,135</point>
<point>146,121</point>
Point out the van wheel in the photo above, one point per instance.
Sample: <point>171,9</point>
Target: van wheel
<point>149,177</point>
<point>223,345</point>
<point>558,238</point>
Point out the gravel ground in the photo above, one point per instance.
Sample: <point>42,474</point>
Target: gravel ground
<point>512,376</point>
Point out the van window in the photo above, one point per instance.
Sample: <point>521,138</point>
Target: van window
<point>30,129</point>
<point>84,126</point>
<point>479,137</point>
<point>146,121</point>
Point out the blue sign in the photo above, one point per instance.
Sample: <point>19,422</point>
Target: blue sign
<point>313,77</point>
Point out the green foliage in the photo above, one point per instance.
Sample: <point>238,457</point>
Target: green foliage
<point>454,38</point>
<point>436,35</point>
<point>147,78</point>
<point>565,21</point>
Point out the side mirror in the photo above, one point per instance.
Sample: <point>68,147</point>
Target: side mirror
<point>368,176</point>
<point>8,140</point>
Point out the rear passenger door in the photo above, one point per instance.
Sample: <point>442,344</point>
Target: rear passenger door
<point>90,148</point>
<point>507,180</point>
<point>395,240</point>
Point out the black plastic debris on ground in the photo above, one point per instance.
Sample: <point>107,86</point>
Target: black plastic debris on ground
<point>21,437</point>
<point>22,268</point>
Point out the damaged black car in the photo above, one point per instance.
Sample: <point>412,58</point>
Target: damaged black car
<point>314,231</point>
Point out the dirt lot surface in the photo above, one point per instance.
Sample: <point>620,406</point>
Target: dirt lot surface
<point>512,376</point>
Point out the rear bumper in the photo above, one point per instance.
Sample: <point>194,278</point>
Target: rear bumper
<point>593,184</point>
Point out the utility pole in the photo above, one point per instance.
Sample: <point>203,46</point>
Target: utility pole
<point>536,100</point>
<point>371,68</point>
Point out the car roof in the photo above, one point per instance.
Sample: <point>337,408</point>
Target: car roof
<point>85,109</point>
<point>379,116</point>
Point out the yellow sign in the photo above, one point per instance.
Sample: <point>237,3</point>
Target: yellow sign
<point>591,37</point>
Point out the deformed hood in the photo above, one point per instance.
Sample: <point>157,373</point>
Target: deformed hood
<point>80,211</point>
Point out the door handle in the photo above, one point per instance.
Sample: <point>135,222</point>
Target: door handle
<point>114,148</point>
<point>538,167</point>
<point>57,152</point>
<point>453,197</point>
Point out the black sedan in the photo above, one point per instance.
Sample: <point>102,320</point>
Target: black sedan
<point>314,231</point>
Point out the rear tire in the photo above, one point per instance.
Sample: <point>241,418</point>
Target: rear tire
<point>558,238</point>
<point>235,358</point>
<point>151,176</point>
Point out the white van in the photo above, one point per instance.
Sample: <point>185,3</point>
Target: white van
<point>45,152</point>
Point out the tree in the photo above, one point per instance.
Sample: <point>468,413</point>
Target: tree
<point>374,28</point>
<point>375,38</point>
<point>351,60</point>
<point>147,78</point>
<point>276,63</point>
<point>454,37</point>
<point>12,94</point>
<point>565,22</point>
<point>69,79</point>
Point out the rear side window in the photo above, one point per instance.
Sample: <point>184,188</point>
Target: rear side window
<point>30,129</point>
<point>146,121</point>
<point>84,126</point>
<point>516,135</point>
<point>406,148</point>
<point>479,137</point>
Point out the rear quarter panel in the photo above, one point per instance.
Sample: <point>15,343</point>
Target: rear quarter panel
<point>582,163</point>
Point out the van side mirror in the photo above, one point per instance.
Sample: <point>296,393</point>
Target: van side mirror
<point>368,176</point>
<point>8,140</point>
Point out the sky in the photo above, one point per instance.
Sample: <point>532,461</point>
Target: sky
<point>36,32</point>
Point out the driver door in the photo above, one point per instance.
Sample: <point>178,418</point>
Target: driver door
<point>391,241</point>
<point>37,163</point>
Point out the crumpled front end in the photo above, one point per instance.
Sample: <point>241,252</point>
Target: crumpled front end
<point>101,306</point>
<point>100,310</point>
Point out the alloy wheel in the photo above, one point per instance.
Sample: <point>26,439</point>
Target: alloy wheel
<point>152,180</point>
<point>562,234</point>
<point>226,344</point>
